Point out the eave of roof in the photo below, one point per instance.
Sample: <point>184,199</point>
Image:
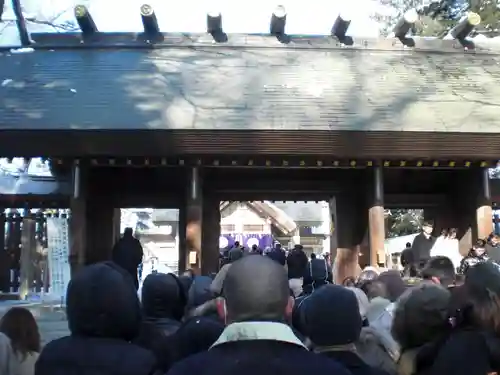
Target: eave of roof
<point>26,185</point>
<point>106,40</point>
<point>267,210</point>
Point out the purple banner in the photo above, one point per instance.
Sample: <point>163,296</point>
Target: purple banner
<point>247,240</point>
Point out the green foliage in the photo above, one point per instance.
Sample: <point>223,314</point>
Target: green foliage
<point>403,222</point>
<point>490,14</point>
<point>489,10</point>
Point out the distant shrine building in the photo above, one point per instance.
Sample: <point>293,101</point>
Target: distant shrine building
<point>190,121</point>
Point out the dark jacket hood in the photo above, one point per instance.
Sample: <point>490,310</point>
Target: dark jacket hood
<point>102,302</point>
<point>163,296</point>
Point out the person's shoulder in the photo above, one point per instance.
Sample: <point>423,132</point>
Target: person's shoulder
<point>57,344</point>
<point>463,343</point>
<point>317,363</point>
<point>194,364</point>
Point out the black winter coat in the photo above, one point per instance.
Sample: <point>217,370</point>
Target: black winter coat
<point>104,315</point>
<point>163,303</point>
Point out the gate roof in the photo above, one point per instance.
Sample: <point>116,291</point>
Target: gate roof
<point>227,88</point>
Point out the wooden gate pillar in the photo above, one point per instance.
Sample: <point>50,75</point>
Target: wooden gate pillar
<point>78,219</point>
<point>376,220</point>
<point>332,203</point>
<point>350,228</point>
<point>192,217</point>
<point>77,234</point>
<point>182,250</point>
<point>484,211</point>
<point>4,256</point>
<point>199,227</point>
<point>210,234</point>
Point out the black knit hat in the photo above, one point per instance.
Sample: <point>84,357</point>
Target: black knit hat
<point>331,316</point>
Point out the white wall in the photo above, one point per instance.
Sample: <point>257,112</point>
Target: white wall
<point>244,216</point>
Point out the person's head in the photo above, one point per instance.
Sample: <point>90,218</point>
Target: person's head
<point>421,315</point>
<point>313,256</point>
<point>406,258</point>
<point>494,240</point>
<point>368,274</point>
<point>408,245</point>
<point>452,233</point>
<point>101,301</point>
<point>235,254</point>
<point>297,262</point>
<point>255,289</point>
<point>479,247</point>
<point>278,256</point>
<point>254,248</point>
<point>439,270</point>
<point>393,283</point>
<point>331,317</point>
<point>427,227</point>
<point>19,325</point>
<point>374,289</point>
<point>277,246</point>
<point>163,296</point>
<point>349,281</point>
<point>482,288</point>
<point>236,244</point>
<point>128,232</point>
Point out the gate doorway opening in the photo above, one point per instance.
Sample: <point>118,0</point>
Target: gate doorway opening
<point>158,232</point>
<point>262,224</point>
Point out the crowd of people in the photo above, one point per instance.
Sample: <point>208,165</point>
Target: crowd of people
<point>268,313</point>
<point>425,246</point>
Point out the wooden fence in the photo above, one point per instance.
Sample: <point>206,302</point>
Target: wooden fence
<point>23,229</point>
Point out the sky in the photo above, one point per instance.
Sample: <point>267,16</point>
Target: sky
<point>313,17</point>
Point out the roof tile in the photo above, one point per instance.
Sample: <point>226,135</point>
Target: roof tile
<point>224,88</point>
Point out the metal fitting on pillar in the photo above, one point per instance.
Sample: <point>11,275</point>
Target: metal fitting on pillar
<point>76,181</point>
<point>378,193</point>
<point>485,185</point>
<point>195,184</point>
